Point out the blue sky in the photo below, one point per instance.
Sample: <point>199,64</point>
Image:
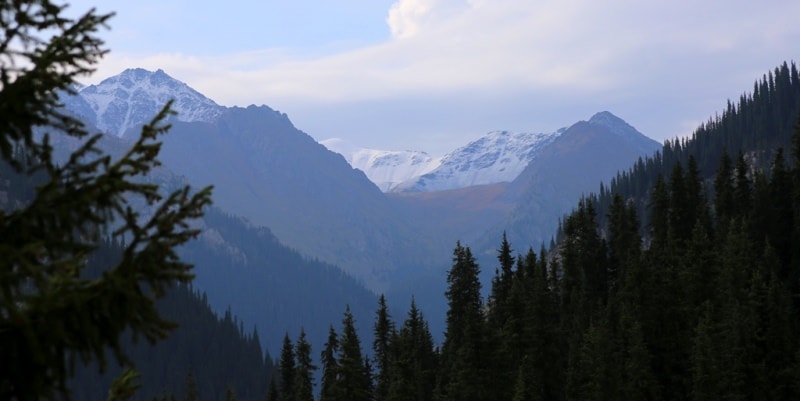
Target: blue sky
<point>434,74</point>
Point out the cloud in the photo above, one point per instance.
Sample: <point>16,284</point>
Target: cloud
<point>449,45</point>
<point>407,17</point>
<point>627,56</point>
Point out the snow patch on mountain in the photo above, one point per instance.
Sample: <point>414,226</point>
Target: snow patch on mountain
<point>135,96</point>
<point>388,169</point>
<point>385,168</point>
<point>499,156</point>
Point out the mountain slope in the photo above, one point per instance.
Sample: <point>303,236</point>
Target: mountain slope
<point>388,169</point>
<point>587,153</point>
<point>246,268</point>
<point>266,170</point>
<point>498,156</point>
<point>569,163</point>
<point>276,176</point>
<point>528,208</point>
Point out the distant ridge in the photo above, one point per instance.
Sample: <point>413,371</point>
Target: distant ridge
<point>497,157</point>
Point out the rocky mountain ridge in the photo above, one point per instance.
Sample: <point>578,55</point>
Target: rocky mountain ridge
<point>133,97</point>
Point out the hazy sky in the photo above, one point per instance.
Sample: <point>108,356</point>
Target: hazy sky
<point>434,74</point>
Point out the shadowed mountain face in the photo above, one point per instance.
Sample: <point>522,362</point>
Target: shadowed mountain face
<point>265,169</point>
<point>528,208</point>
<point>246,268</point>
<point>588,153</point>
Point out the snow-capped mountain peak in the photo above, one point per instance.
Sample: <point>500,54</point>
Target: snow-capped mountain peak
<point>388,169</point>
<point>385,168</point>
<point>134,96</point>
<point>498,156</point>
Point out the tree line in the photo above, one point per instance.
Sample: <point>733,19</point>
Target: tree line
<point>696,296</point>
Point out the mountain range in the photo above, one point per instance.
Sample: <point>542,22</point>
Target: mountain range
<point>315,202</point>
<point>241,262</point>
<point>498,156</point>
<point>386,168</point>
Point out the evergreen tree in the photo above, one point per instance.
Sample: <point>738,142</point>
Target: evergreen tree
<point>780,190</point>
<point>724,197</point>
<point>273,394</point>
<point>230,394</point>
<point>795,263</point>
<point>779,328</point>
<point>383,331</point>
<point>287,369</point>
<point>624,240</point>
<point>504,326</point>
<point>636,378</point>
<point>696,196</point>
<point>704,366</point>
<point>304,370</point>
<point>542,360</point>
<point>329,390</point>
<point>593,377</point>
<point>681,211</point>
<point>353,382</point>
<point>190,390</point>
<point>501,284</point>
<point>743,197</point>
<point>414,363</point>
<point>463,375</point>
<point>52,315</point>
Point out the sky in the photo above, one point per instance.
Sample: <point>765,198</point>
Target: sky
<point>433,75</point>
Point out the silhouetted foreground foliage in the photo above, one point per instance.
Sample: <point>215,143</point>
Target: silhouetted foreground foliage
<point>214,352</point>
<point>51,316</point>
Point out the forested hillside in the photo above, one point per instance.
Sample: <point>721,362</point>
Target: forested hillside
<point>700,303</point>
<point>203,359</point>
<point>206,355</point>
<point>244,267</point>
<point>756,126</point>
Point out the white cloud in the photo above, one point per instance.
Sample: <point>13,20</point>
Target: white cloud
<point>616,54</point>
<point>443,45</point>
<point>407,17</point>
